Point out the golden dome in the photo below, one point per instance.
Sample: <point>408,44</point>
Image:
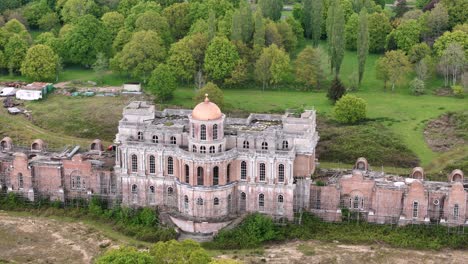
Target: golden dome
<point>206,110</point>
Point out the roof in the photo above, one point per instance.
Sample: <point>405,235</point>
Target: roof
<point>35,86</point>
<point>206,111</point>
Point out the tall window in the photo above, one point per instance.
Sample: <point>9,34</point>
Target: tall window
<point>216,201</point>
<point>140,135</point>
<point>170,191</point>
<point>261,200</point>
<point>194,148</point>
<point>415,209</point>
<point>202,132</point>
<point>155,139</point>
<point>246,144</point>
<point>75,182</point>
<point>281,173</point>
<point>285,144</point>
<point>262,171</point>
<point>456,210</point>
<point>134,188</point>
<point>152,164</point>
<point>20,180</point>
<point>187,173</point>
<point>151,189</point>
<point>199,176</point>
<point>173,140</point>
<point>199,201</point>
<point>228,173</point>
<point>203,149</point>
<point>280,198</point>
<point>243,170</point>
<point>151,194</point>
<point>264,145</point>
<point>216,175</point>
<point>186,202</point>
<point>170,166</point>
<point>134,163</point>
<point>193,130</point>
<point>356,202</point>
<point>215,132</point>
<point>212,149</point>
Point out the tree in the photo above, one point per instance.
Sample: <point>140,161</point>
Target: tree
<point>381,71</point>
<point>407,34</point>
<point>309,67</point>
<point>452,63</point>
<point>114,22</point>
<point>417,86</point>
<point>125,255</point>
<point>336,90</point>
<point>50,40</point>
<point>242,23</point>
<point>152,20</point>
<point>379,28</point>
<point>211,25</point>
<point>418,52</point>
<point>271,66</point>
<point>362,43</point>
<point>34,11</point>
<point>437,20</point>
<point>288,38</point>
<point>141,55</point>
<point>401,8</point>
<point>422,68</point>
<point>394,67</point>
<point>448,38</point>
<point>214,94</point>
<point>307,17</point>
<point>457,10</point>
<point>49,21</point>
<point>101,65</point>
<point>317,21</point>
<point>259,31</point>
<point>40,63</point>
<point>220,58</point>
<point>271,8</point>
<point>177,16</point>
<point>162,82</point>
<point>74,9</point>
<point>351,31</point>
<point>85,38</point>
<point>15,52</point>
<point>350,109</point>
<point>336,36</point>
<point>172,251</point>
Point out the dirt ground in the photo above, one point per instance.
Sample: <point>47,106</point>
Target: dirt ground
<point>441,134</point>
<point>302,252</point>
<point>44,240</point>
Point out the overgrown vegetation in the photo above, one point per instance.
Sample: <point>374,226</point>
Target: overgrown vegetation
<point>140,223</point>
<point>258,229</point>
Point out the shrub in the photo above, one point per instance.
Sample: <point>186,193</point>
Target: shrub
<point>350,109</point>
<point>214,94</point>
<point>457,91</point>
<point>417,86</point>
<point>336,90</point>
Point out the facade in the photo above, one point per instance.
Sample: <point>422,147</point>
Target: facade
<point>206,169</point>
<point>33,91</point>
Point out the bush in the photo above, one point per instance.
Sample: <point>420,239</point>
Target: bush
<point>417,86</point>
<point>336,90</point>
<point>350,109</point>
<point>214,94</point>
<point>457,91</point>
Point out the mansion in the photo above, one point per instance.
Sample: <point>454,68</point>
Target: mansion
<point>206,169</point>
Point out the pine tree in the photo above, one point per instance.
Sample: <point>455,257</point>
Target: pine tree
<point>362,43</point>
<point>336,90</point>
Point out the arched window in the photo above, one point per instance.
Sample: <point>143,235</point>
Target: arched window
<point>170,166</point>
<point>186,202</point>
<point>261,200</point>
<point>199,201</point>
<point>228,173</point>
<point>202,132</point>
<point>199,176</point>
<point>243,196</point>
<point>151,189</point>
<point>215,132</point>
<point>212,149</point>
<point>216,175</point>
<point>262,172</point>
<point>187,173</point>
<point>280,198</point>
<point>415,209</point>
<point>203,149</point>
<point>456,212</point>
<point>170,191</point>
<point>140,135</point>
<point>285,144</point>
<point>173,140</point>
<point>246,144</point>
<point>264,145</point>
<point>281,173</point>
<point>216,201</point>
<point>134,163</point>
<point>134,188</point>
<point>243,170</point>
<point>20,180</point>
<point>152,164</point>
<point>155,139</point>
<point>194,148</point>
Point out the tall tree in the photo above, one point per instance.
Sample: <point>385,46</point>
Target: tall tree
<point>407,34</point>
<point>15,51</point>
<point>379,28</point>
<point>317,21</point>
<point>162,82</point>
<point>272,66</point>
<point>152,20</point>
<point>101,66</point>
<point>394,67</point>
<point>307,17</point>
<point>336,36</point>
<point>40,63</point>
<point>247,25</point>
<point>309,67</point>
<point>271,8</point>
<point>351,32</point>
<point>437,20</point>
<point>452,62</point>
<point>211,25</point>
<point>220,58</point>
<point>259,31</point>
<point>362,43</point>
<point>179,20</point>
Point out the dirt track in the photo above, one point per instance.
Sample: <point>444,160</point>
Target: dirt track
<point>43,240</point>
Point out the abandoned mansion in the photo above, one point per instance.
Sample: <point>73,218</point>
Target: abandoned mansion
<point>206,169</point>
